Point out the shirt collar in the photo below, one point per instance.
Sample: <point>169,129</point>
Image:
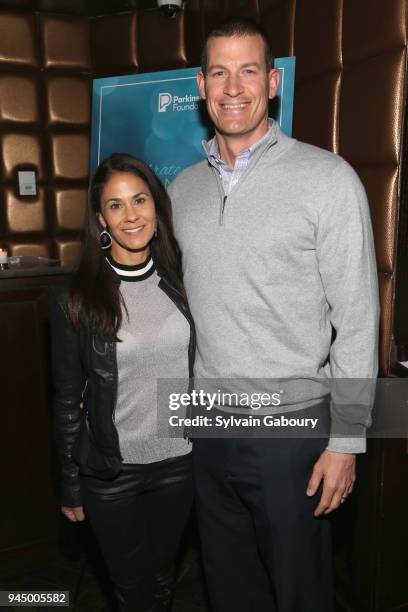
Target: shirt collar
<point>213,153</point>
<point>132,273</point>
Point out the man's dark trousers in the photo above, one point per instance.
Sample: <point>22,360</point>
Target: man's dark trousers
<point>263,549</point>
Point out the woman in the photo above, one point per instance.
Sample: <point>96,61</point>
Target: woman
<point>122,324</point>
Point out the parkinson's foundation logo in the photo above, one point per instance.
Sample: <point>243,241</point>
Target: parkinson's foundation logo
<point>165,99</point>
<point>176,103</point>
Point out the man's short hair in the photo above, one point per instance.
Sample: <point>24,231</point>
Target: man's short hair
<point>238,26</point>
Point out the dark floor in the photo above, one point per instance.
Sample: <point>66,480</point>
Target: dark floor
<point>78,568</point>
<point>89,588</point>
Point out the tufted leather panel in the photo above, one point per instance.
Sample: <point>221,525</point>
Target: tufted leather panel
<point>66,43</point>
<point>372,27</point>
<point>76,7</point>
<point>68,100</point>
<point>34,249</point>
<point>194,27</point>
<point>27,216</point>
<point>212,14</point>
<point>69,156</point>
<point>278,19</point>
<point>69,206</point>
<point>322,133</point>
<point>401,294</point>
<point>382,190</point>
<point>21,148</point>
<point>386,283</point>
<point>27,5</point>
<point>317,35</point>
<point>64,6</point>
<point>165,49</point>
<point>318,41</point>
<point>378,141</point>
<point>114,40</point>
<point>18,42</point>
<point>243,8</point>
<point>19,99</point>
<point>373,96</point>
<point>68,251</point>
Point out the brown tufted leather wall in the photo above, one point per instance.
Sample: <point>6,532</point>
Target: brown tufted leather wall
<point>45,68</point>
<point>350,97</point>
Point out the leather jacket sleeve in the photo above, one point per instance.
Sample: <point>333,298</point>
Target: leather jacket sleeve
<point>69,381</point>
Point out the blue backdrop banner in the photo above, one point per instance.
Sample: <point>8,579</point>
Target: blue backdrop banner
<point>159,117</point>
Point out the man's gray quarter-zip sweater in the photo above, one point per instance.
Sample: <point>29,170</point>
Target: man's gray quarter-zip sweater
<point>271,269</point>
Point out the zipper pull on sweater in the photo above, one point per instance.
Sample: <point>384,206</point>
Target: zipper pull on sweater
<point>223,202</point>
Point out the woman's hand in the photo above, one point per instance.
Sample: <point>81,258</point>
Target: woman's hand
<point>73,514</point>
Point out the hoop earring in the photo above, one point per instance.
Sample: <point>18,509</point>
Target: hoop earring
<point>105,239</point>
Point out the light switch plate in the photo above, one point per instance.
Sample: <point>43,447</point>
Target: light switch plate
<point>27,185</point>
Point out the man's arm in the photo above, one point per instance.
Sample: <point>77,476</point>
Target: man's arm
<point>346,259</point>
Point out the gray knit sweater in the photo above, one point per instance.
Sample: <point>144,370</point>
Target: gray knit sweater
<point>270,269</point>
<point>154,344</point>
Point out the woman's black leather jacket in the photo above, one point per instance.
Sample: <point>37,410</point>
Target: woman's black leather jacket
<point>85,372</point>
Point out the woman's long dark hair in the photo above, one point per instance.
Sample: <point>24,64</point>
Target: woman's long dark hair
<point>95,298</point>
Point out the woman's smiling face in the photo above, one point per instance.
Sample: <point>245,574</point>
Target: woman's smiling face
<point>129,214</point>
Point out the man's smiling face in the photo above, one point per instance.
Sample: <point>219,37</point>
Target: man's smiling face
<point>238,86</point>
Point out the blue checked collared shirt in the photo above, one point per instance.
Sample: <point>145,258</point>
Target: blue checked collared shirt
<point>230,176</point>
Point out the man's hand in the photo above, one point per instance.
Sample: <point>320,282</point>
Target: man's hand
<point>73,514</point>
<point>338,471</point>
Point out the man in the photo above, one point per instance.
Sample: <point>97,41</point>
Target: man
<point>277,252</point>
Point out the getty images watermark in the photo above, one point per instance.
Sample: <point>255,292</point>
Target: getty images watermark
<point>315,407</point>
<point>219,400</point>
<point>241,408</point>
